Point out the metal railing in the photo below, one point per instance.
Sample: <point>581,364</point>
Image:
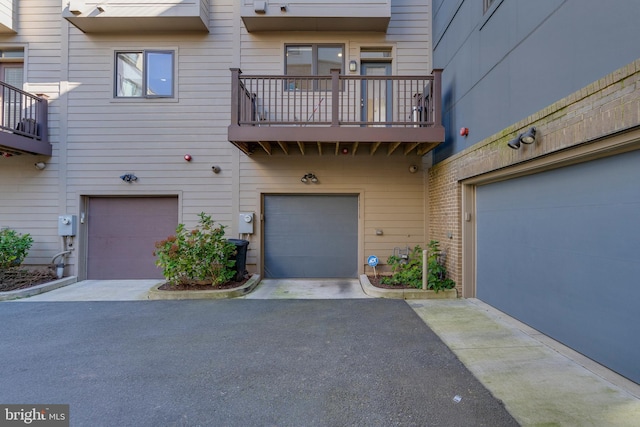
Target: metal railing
<point>336,100</point>
<point>22,113</point>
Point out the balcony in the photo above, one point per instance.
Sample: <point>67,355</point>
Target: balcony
<point>138,16</point>
<point>23,123</point>
<point>8,12</point>
<point>316,15</point>
<point>335,114</point>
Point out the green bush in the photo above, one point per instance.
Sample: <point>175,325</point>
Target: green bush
<point>408,272</point>
<point>14,248</point>
<point>198,255</point>
<point>437,273</point>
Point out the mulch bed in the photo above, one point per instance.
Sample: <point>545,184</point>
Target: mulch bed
<point>16,278</point>
<point>377,282</point>
<point>202,287</point>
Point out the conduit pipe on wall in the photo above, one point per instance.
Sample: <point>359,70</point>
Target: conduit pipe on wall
<point>60,266</point>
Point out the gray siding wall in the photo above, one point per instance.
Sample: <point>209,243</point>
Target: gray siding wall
<point>29,198</point>
<point>522,56</point>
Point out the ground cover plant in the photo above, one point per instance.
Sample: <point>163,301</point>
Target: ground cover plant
<point>407,272</point>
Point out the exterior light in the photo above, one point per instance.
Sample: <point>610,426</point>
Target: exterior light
<point>514,143</point>
<point>40,165</point>
<point>309,177</point>
<point>353,66</point>
<point>529,137</point>
<point>129,178</point>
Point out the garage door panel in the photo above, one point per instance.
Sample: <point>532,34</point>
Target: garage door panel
<point>311,236</point>
<point>122,233</point>
<point>560,251</point>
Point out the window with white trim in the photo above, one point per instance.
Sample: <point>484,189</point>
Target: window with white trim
<point>313,60</point>
<point>144,74</point>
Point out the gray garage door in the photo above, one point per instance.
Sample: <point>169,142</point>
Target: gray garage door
<point>310,236</point>
<point>122,232</point>
<point>560,250</point>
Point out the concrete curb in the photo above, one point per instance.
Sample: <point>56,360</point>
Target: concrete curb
<point>157,294</point>
<point>373,291</point>
<point>39,289</point>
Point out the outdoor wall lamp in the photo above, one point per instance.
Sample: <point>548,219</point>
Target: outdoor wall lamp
<point>353,66</point>
<point>129,178</point>
<point>528,137</point>
<point>309,177</point>
<point>40,165</point>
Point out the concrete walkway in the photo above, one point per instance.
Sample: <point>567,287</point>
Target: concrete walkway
<point>308,289</point>
<point>540,381</point>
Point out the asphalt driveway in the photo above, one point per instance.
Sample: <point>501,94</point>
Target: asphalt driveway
<point>356,362</point>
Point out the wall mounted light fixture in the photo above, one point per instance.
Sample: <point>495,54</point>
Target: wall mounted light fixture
<point>129,178</point>
<point>309,177</point>
<point>40,165</point>
<point>353,66</point>
<point>529,137</point>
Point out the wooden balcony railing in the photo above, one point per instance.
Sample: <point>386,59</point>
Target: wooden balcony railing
<point>23,122</point>
<point>335,109</point>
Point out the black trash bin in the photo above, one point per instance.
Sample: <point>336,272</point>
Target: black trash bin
<point>240,258</point>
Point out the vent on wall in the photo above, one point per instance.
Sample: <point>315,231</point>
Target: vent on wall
<point>260,6</point>
<point>75,6</point>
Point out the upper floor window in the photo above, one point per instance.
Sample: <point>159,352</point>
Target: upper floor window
<point>312,60</point>
<point>487,4</point>
<point>144,74</point>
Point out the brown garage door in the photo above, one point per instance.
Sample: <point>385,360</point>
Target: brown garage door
<point>122,232</point>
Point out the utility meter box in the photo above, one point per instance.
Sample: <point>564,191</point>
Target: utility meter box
<point>245,223</point>
<point>67,225</point>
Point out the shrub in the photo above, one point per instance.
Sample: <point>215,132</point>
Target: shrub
<point>198,255</point>
<point>437,273</point>
<point>14,248</point>
<point>409,271</point>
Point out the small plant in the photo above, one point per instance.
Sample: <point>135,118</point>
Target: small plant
<point>406,271</point>
<point>198,255</point>
<point>436,271</point>
<point>409,271</point>
<point>14,248</point>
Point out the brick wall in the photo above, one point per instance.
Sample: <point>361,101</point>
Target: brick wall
<point>605,107</point>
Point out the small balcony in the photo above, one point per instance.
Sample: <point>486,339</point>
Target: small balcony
<point>138,16</point>
<point>335,114</point>
<point>8,14</point>
<point>316,15</point>
<point>23,123</point>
